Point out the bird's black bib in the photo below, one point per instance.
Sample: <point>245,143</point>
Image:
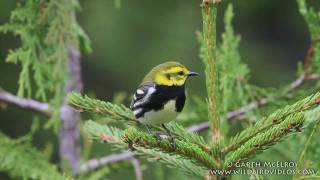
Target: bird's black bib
<point>146,99</point>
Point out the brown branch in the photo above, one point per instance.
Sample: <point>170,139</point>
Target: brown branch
<point>30,104</point>
<point>255,104</point>
<point>308,57</point>
<point>198,127</point>
<point>137,168</point>
<point>244,109</point>
<point>98,162</point>
<point>69,136</point>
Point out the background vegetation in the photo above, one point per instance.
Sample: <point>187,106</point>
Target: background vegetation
<point>130,37</point>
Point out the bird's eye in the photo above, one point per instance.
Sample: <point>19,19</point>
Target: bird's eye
<point>180,73</point>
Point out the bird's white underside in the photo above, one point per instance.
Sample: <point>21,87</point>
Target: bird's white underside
<point>162,116</point>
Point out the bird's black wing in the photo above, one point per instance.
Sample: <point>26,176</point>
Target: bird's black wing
<point>142,95</point>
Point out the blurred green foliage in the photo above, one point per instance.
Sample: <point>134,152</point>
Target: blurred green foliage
<point>130,37</point>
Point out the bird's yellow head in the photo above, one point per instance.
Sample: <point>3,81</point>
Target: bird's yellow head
<point>169,74</point>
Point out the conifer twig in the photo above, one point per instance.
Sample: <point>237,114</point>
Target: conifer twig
<point>209,13</point>
<point>271,120</point>
<point>98,162</point>
<point>85,103</point>
<point>262,140</point>
<point>186,155</point>
<point>136,138</point>
<point>140,141</point>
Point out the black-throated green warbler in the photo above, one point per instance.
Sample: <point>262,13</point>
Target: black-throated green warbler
<point>161,95</point>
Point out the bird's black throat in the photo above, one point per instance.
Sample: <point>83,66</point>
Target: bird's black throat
<point>161,96</point>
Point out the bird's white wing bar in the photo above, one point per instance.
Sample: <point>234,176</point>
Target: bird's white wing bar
<point>139,94</point>
<point>146,97</point>
<point>137,111</point>
<point>142,94</point>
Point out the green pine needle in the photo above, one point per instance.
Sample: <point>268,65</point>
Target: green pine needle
<point>85,103</point>
<point>264,139</point>
<point>275,118</point>
<point>136,138</point>
<point>187,156</point>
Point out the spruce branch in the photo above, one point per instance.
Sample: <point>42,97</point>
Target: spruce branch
<point>171,160</point>
<point>177,159</point>
<point>110,135</point>
<point>208,50</point>
<point>153,155</point>
<point>188,136</point>
<point>136,138</point>
<point>275,118</point>
<point>98,162</point>
<point>85,103</point>
<point>104,133</point>
<point>263,140</point>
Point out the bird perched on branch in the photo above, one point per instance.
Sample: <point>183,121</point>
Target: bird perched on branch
<point>161,95</point>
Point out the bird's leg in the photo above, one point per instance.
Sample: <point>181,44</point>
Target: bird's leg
<point>173,139</point>
<point>148,128</point>
<point>156,134</point>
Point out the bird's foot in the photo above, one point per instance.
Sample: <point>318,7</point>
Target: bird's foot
<point>172,137</point>
<point>161,136</point>
<point>158,136</point>
<point>173,142</point>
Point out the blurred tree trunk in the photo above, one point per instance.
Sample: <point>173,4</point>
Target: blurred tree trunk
<point>69,135</point>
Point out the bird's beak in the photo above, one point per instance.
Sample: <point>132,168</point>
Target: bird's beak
<point>192,74</point>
